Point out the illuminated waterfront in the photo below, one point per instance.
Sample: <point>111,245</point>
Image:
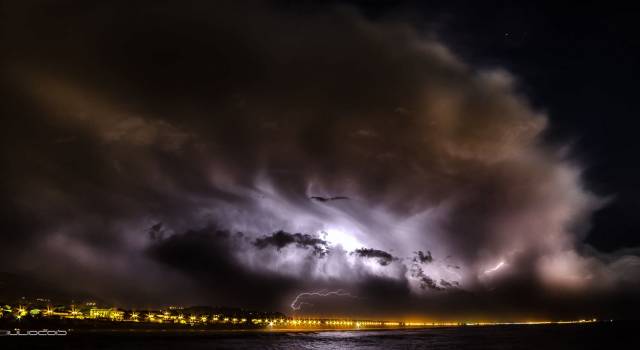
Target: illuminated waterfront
<point>89,313</point>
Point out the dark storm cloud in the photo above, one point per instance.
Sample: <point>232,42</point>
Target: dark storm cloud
<point>207,255</point>
<point>282,239</point>
<point>421,257</point>
<point>156,231</point>
<point>124,116</point>
<point>382,257</point>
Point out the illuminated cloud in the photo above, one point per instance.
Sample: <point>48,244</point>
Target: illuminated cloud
<point>234,129</point>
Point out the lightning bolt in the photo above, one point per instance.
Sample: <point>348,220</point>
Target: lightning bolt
<point>495,268</point>
<point>297,303</point>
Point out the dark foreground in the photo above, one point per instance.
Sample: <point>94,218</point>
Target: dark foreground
<point>617,335</point>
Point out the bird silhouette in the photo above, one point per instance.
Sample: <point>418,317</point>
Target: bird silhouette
<point>327,199</point>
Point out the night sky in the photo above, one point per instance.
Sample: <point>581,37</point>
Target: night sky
<point>432,159</point>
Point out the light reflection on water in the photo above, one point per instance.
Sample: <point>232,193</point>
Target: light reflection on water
<point>539,337</point>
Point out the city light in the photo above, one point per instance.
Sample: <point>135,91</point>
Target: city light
<point>237,319</point>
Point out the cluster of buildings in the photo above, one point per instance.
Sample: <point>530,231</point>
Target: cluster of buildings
<point>180,316</point>
<point>20,312</point>
<point>41,309</point>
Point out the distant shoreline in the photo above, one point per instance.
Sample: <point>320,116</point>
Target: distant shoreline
<point>249,330</point>
<point>188,331</point>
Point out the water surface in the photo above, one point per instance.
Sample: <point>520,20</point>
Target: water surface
<point>617,335</point>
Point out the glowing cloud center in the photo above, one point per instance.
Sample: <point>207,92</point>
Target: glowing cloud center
<point>336,237</point>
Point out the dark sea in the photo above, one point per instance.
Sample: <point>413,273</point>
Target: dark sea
<point>622,335</point>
